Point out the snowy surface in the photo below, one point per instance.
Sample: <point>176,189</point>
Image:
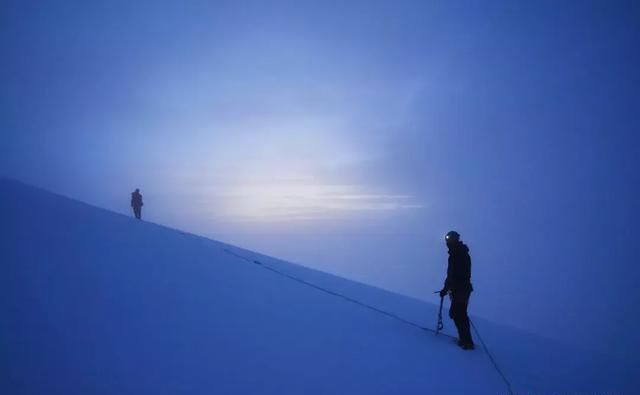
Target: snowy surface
<point>94,302</point>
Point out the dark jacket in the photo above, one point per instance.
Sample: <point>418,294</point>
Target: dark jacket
<point>136,199</point>
<point>459,269</point>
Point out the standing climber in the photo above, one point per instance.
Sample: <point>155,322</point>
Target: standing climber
<point>458,283</point>
<point>136,203</point>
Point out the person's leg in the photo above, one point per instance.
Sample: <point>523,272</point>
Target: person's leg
<point>459,304</point>
<point>454,314</point>
<point>465,327</point>
<point>136,212</point>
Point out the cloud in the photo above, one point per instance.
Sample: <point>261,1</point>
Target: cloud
<point>304,201</point>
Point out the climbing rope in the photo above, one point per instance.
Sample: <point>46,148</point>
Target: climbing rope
<point>330,292</point>
<point>493,361</point>
<point>392,315</point>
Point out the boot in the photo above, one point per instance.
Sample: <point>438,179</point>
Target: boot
<point>468,346</point>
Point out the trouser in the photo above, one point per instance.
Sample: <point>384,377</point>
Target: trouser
<point>137,211</point>
<point>458,313</point>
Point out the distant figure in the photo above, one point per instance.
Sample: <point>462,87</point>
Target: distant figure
<point>458,282</point>
<point>136,203</point>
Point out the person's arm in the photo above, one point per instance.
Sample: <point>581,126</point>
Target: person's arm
<point>447,282</point>
<point>465,268</point>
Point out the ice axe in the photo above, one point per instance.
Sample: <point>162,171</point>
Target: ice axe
<point>440,325</point>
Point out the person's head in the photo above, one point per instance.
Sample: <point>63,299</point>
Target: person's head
<point>452,238</point>
<point>137,190</point>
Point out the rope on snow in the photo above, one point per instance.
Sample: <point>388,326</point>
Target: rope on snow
<point>319,288</point>
<point>392,315</point>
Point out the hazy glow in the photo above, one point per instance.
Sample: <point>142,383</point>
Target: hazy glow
<point>298,201</point>
<point>295,176</point>
<point>278,167</point>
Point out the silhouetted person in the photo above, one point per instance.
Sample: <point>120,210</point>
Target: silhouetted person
<point>136,203</point>
<point>458,282</point>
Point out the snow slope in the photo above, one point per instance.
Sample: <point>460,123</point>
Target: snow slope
<point>94,302</point>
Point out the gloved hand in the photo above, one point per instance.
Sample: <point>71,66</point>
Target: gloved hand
<point>443,292</point>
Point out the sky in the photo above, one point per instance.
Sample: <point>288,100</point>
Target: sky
<point>351,136</point>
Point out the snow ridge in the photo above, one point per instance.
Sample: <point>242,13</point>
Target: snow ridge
<point>97,302</point>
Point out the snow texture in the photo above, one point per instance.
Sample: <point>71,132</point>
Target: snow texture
<point>95,302</point>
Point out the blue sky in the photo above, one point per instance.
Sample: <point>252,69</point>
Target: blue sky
<point>350,136</point>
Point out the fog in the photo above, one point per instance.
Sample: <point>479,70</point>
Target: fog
<point>351,138</point>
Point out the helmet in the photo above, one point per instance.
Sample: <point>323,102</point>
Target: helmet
<point>452,235</point>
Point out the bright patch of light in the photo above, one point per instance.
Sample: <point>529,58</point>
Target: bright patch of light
<point>300,201</point>
<point>279,168</point>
